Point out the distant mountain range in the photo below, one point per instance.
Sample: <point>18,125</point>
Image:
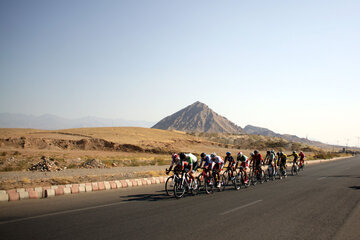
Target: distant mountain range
<point>53,122</point>
<point>198,117</point>
<point>249,129</point>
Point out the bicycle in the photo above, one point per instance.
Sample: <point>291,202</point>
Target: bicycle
<point>183,184</point>
<point>294,169</point>
<point>218,179</point>
<point>257,175</point>
<point>170,181</point>
<point>271,172</point>
<point>282,171</point>
<point>241,178</point>
<point>205,181</point>
<point>302,165</point>
<point>230,175</point>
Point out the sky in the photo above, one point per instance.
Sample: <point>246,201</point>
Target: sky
<point>290,66</point>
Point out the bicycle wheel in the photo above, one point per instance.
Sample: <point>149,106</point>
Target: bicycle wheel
<point>222,183</point>
<point>225,177</point>
<point>169,186</point>
<point>201,182</point>
<point>293,170</point>
<point>209,185</point>
<point>253,179</point>
<point>179,190</point>
<point>236,183</point>
<point>261,176</point>
<point>194,187</point>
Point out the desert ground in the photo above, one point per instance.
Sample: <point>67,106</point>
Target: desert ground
<point>88,154</point>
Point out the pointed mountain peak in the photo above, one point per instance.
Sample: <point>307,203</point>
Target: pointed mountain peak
<point>198,117</point>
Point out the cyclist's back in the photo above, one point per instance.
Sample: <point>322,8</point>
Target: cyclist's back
<point>295,155</point>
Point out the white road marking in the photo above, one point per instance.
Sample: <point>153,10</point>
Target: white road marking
<point>321,178</point>
<point>61,212</point>
<point>241,207</point>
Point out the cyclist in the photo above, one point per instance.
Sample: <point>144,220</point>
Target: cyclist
<point>189,163</point>
<point>206,159</point>
<point>296,157</point>
<point>282,161</point>
<point>175,161</point>
<point>207,162</point>
<point>256,161</point>
<point>218,164</point>
<point>270,159</point>
<point>302,159</point>
<point>232,163</point>
<point>244,164</point>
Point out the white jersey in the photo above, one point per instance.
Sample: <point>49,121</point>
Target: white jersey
<point>192,156</point>
<point>218,160</point>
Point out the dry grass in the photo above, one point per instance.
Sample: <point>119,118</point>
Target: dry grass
<point>145,138</point>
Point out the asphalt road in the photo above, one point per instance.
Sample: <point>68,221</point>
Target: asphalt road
<point>323,202</point>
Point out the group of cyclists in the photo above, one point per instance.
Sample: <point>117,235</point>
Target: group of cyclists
<point>213,164</point>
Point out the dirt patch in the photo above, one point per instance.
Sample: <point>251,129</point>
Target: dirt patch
<point>93,163</point>
<point>95,144</point>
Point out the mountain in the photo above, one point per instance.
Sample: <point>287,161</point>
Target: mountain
<point>53,122</point>
<point>198,117</point>
<point>249,129</point>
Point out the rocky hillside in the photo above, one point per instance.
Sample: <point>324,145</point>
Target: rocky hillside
<point>198,117</point>
<point>249,129</point>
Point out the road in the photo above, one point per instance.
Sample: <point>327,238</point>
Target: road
<point>323,202</point>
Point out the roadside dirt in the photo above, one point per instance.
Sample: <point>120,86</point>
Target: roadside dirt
<point>24,179</point>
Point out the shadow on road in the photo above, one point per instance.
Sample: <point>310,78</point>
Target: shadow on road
<point>160,195</point>
<point>355,187</point>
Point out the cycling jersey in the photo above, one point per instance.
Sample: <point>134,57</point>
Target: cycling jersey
<point>257,159</point>
<point>271,158</point>
<point>231,160</point>
<point>295,155</point>
<point>283,159</point>
<point>302,156</point>
<point>218,162</point>
<point>243,158</point>
<point>190,160</point>
<point>207,160</point>
<point>244,161</point>
<point>175,162</point>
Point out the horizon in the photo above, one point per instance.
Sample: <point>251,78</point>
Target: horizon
<point>291,67</point>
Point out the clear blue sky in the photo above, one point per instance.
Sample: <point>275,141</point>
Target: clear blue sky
<point>291,66</point>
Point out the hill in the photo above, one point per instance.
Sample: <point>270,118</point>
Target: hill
<point>249,129</point>
<point>198,117</point>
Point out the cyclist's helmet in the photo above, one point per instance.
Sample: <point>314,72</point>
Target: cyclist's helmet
<point>294,152</point>
<point>256,152</point>
<point>182,156</point>
<point>252,154</point>
<point>281,153</point>
<point>203,155</point>
<point>213,155</point>
<point>240,154</point>
<point>175,157</point>
<point>268,152</point>
<point>228,153</point>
